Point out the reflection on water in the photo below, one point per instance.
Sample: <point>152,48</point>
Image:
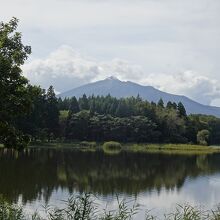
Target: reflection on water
<point>155,180</point>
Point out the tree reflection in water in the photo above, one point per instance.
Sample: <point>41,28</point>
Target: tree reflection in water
<point>36,173</point>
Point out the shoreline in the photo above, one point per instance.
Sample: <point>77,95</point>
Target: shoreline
<point>133,147</point>
<point>184,149</point>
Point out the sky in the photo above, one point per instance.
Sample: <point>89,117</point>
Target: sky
<point>173,45</point>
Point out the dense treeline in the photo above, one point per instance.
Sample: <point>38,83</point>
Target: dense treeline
<point>108,118</point>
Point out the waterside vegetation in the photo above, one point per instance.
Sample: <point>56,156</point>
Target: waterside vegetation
<point>113,147</point>
<point>84,207</point>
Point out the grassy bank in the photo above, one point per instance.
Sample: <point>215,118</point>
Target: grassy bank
<point>115,147</point>
<point>84,207</point>
<point>172,148</point>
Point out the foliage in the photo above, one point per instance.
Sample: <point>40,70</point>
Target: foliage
<point>52,113</point>
<point>203,137</point>
<point>181,109</point>
<point>44,121</point>
<point>88,144</point>
<point>14,97</point>
<point>83,207</point>
<point>182,149</point>
<point>112,145</point>
<point>10,212</point>
<point>107,118</point>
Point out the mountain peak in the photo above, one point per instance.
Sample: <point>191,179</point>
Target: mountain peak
<point>112,78</point>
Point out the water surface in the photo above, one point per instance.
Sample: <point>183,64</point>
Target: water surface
<point>156,181</point>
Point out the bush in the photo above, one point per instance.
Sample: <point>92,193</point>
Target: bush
<point>112,145</point>
<point>203,137</point>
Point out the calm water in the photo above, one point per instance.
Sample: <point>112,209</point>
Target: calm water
<point>156,181</point>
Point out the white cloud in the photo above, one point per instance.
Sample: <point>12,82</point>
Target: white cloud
<point>161,36</point>
<point>189,83</point>
<point>65,69</point>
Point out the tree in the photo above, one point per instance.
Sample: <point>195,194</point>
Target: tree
<point>74,106</point>
<point>34,123</point>
<point>52,113</point>
<point>14,97</point>
<point>181,109</point>
<point>121,110</point>
<point>92,107</point>
<point>77,126</point>
<point>160,103</point>
<point>203,137</point>
<point>169,105</point>
<point>84,103</point>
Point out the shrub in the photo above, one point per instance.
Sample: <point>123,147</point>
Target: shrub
<point>203,137</point>
<point>112,145</point>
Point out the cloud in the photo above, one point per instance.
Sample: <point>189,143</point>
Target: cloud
<point>66,68</point>
<point>189,83</point>
<point>161,36</point>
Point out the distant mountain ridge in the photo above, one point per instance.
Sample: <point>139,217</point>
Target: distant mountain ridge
<point>122,89</point>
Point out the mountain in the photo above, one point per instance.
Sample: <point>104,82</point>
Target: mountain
<point>119,89</point>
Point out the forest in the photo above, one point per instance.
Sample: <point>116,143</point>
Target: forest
<point>29,113</point>
<point>99,118</point>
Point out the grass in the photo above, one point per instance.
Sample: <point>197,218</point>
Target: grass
<point>10,212</point>
<point>113,147</point>
<point>173,148</point>
<point>83,207</point>
<point>88,144</point>
<point>63,145</point>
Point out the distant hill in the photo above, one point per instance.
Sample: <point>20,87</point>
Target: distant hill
<point>120,89</point>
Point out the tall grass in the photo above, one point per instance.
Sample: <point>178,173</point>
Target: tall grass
<point>84,208</point>
<point>10,212</point>
<point>88,144</point>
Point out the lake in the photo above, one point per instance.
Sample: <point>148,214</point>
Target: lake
<point>157,182</point>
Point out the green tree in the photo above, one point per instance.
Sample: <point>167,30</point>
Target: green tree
<point>14,97</point>
<point>169,105</point>
<point>181,109</point>
<point>160,103</point>
<point>121,110</point>
<point>77,126</point>
<point>34,123</point>
<point>203,137</point>
<point>52,113</point>
<point>84,103</point>
<point>74,106</point>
